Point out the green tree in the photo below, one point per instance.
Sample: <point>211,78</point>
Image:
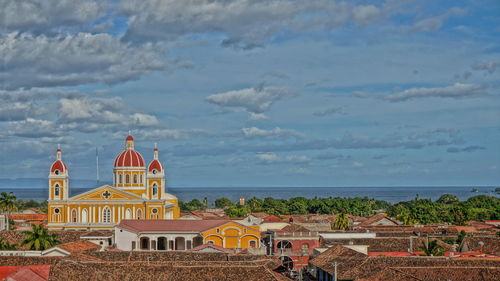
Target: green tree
<point>341,222</point>
<point>8,204</point>
<point>237,212</point>
<point>405,217</point>
<point>255,204</point>
<point>6,246</point>
<point>431,248</point>
<point>447,199</point>
<point>223,203</point>
<point>195,204</point>
<point>39,239</point>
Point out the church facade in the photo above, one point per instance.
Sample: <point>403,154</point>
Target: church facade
<point>138,192</point>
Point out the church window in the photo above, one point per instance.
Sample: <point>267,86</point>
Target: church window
<point>135,178</point>
<point>139,214</point>
<point>120,179</point>
<point>142,179</point>
<point>56,172</point>
<point>84,216</point>
<point>73,215</point>
<point>127,178</point>
<point>56,211</point>
<point>155,189</point>
<point>128,214</point>
<point>106,215</point>
<point>155,211</point>
<point>155,171</point>
<point>56,190</point>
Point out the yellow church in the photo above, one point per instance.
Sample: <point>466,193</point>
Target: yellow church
<point>137,193</point>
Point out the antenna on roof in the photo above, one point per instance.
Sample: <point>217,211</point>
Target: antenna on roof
<point>97,164</point>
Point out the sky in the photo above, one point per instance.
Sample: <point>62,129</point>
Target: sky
<point>243,93</point>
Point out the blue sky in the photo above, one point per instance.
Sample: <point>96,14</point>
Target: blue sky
<point>255,93</point>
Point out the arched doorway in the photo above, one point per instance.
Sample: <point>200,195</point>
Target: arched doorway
<point>139,214</point>
<point>287,262</point>
<point>197,241</point>
<point>180,244</point>
<point>73,215</point>
<point>162,244</point>
<point>106,215</point>
<point>128,214</point>
<point>144,243</point>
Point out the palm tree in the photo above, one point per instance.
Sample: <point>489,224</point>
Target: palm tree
<point>341,222</point>
<point>8,204</point>
<point>431,248</point>
<point>6,246</point>
<point>39,239</point>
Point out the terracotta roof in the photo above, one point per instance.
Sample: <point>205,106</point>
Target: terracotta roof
<point>373,219</point>
<point>98,233</point>
<point>170,225</point>
<point>445,273</point>
<point>29,217</point>
<point>346,257</point>
<point>172,266</point>
<point>215,247</point>
<point>79,246</point>
<point>272,218</point>
<point>25,273</point>
<point>294,228</point>
<point>31,273</point>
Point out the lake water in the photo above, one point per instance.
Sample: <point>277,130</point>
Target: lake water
<point>24,189</point>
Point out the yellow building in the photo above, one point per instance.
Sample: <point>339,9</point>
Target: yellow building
<point>179,235</point>
<point>137,193</point>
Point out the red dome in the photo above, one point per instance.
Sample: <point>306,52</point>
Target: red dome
<point>129,158</point>
<point>155,165</point>
<point>58,165</point>
<point>129,138</point>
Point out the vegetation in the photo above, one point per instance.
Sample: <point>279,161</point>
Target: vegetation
<point>431,248</point>
<point>223,203</point>
<point>8,204</point>
<point>39,239</point>
<point>341,222</point>
<point>447,209</point>
<point>6,246</point>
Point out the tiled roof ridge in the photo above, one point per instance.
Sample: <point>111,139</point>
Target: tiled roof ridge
<point>405,273</point>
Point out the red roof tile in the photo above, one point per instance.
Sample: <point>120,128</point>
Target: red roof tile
<point>79,246</point>
<point>170,225</point>
<point>204,246</point>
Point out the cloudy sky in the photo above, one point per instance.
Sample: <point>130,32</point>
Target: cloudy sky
<point>255,92</point>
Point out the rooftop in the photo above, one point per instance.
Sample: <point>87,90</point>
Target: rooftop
<point>170,225</point>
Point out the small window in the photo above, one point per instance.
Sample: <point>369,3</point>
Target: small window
<point>155,171</point>
<point>56,172</point>
<point>127,178</point>
<point>210,242</point>
<point>155,211</point>
<point>56,211</point>
<point>218,230</point>
<point>135,178</point>
<point>106,215</point>
<point>120,179</point>
<point>155,189</point>
<point>56,190</point>
<point>100,243</point>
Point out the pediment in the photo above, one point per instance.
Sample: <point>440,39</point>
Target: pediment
<point>106,193</point>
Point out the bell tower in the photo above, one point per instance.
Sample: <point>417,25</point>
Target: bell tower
<point>58,178</point>
<point>155,178</point>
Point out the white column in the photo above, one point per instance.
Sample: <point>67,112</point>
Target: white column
<point>113,214</point>
<point>133,212</point>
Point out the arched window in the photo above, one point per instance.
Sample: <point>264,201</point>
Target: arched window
<point>57,215</point>
<point>285,244</point>
<point>139,214</point>
<point>135,178</point>
<point>84,216</point>
<point>106,215</point>
<point>155,189</point>
<point>128,214</point>
<point>154,214</point>
<point>120,179</point>
<point>73,215</point>
<point>142,179</point>
<point>127,178</point>
<point>56,190</point>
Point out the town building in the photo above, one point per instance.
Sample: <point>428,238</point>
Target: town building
<point>138,192</point>
<point>179,235</point>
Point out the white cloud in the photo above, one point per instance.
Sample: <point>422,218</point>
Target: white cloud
<point>254,132</point>
<point>258,117</point>
<point>253,100</point>
<point>433,23</point>
<point>458,90</point>
<point>245,23</point>
<point>66,60</point>
<point>489,67</point>
<point>272,158</point>
<point>40,15</point>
